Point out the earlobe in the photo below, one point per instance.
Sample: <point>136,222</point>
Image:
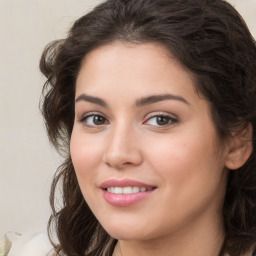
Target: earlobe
<point>239,148</point>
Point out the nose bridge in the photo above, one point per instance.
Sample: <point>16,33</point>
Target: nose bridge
<point>122,148</point>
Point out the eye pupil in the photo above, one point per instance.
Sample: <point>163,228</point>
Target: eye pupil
<point>162,120</point>
<point>98,120</point>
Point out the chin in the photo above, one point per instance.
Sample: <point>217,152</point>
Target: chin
<point>128,235</point>
<point>128,231</point>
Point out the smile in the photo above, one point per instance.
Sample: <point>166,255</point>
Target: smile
<point>124,193</point>
<point>127,190</point>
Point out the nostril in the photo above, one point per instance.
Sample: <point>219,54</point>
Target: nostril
<point>127,163</point>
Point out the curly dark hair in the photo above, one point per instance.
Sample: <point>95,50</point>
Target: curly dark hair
<point>211,40</point>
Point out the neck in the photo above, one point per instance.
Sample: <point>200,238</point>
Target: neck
<point>197,239</point>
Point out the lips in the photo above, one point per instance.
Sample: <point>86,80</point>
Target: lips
<point>125,192</point>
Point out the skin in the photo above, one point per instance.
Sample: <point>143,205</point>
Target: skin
<point>183,158</point>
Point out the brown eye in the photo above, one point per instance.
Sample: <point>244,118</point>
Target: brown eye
<point>94,120</point>
<point>161,120</point>
<point>98,120</point>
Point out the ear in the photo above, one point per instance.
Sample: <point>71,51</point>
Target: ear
<point>239,148</point>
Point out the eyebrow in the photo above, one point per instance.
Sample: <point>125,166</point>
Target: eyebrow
<point>92,99</point>
<point>156,98</point>
<point>139,103</point>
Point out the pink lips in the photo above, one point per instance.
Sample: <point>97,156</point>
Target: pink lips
<point>122,200</point>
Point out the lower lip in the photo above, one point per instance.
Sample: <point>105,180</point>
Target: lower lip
<point>123,200</point>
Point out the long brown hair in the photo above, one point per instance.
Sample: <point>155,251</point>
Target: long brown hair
<point>211,40</point>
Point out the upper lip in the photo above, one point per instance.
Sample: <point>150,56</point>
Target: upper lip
<point>124,183</point>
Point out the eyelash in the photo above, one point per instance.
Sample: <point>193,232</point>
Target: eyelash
<point>93,115</point>
<point>170,120</point>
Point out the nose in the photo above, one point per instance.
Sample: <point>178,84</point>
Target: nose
<point>122,149</point>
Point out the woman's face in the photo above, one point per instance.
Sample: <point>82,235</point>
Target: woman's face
<point>144,147</point>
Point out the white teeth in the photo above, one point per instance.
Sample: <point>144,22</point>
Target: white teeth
<point>118,190</point>
<point>126,190</point>
<point>135,190</point>
<point>142,189</point>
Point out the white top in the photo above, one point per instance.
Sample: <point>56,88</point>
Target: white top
<point>15,244</point>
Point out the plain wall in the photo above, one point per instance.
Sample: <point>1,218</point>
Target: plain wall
<point>27,160</point>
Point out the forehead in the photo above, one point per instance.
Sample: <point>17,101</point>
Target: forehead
<point>136,68</point>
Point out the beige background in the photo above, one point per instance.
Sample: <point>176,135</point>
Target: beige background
<point>27,161</point>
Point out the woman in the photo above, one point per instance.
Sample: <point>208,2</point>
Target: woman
<point>154,105</point>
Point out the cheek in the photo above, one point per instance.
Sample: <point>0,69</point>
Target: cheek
<point>187,159</point>
<point>85,155</point>
<point>191,174</point>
